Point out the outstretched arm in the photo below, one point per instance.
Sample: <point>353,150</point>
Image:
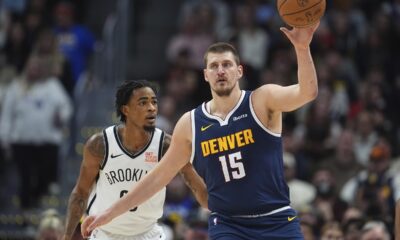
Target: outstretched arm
<point>93,155</point>
<point>174,159</point>
<point>289,98</point>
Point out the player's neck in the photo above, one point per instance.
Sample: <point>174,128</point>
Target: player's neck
<point>133,139</point>
<point>221,106</point>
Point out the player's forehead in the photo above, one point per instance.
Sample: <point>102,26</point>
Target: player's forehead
<point>142,94</point>
<point>213,58</point>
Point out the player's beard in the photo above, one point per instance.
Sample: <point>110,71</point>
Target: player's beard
<point>149,129</point>
<point>226,91</point>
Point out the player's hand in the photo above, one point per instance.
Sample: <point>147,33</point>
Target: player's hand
<point>300,37</point>
<point>92,222</point>
<point>84,226</point>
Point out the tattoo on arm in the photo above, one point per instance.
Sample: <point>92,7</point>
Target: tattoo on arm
<point>76,208</point>
<point>96,145</point>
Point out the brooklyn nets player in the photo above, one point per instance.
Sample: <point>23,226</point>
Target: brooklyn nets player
<point>116,159</point>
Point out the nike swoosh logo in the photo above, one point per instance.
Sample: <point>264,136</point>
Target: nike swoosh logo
<point>291,218</point>
<point>114,156</point>
<point>203,128</point>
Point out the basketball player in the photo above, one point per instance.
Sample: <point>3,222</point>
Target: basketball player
<point>234,142</point>
<point>116,159</point>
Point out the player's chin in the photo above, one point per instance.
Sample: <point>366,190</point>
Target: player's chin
<point>150,127</point>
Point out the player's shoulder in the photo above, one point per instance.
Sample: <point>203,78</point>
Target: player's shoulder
<point>96,144</point>
<point>266,88</point>
<point>95,138</point>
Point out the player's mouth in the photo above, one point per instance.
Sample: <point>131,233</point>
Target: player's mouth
<point>151,119</point>
<point>221,80</point>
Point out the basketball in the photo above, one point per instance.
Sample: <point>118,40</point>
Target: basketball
<point>301,13</point>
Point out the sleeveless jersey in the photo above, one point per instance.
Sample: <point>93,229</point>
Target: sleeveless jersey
<point>240,161</point>
<point>119,172</point>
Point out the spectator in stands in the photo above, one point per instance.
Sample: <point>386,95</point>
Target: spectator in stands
<point>194,38</point>
<point>252,42</point>
<point>376,189</point>
<point>329,206</point>
<point>75,41</point>
<point>343,163</point>
<point>375,230</point>
<point>307,231</point>
<point>16,47</point>
<point>365,137</point>
<point>58,66</point>
<point>331,231</point>
<point>352,229</point>
<point>50,226</point>
<point>35,112</point>
<point>301,192</point>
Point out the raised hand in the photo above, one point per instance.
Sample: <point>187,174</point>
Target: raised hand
<point>300,37</point>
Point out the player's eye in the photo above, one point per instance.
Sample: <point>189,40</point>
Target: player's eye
<point>227,64</point>
<point>213,66</point>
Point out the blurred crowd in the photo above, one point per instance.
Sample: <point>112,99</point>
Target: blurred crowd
<point>341,151</point>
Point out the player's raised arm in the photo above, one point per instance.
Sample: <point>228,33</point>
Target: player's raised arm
<point>174,159</point>
<point>288,98</point>
<point>93,155</point>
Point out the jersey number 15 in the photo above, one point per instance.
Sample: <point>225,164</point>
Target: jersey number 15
<point>233,165</point>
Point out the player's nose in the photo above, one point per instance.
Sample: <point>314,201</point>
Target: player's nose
<point>221,71</point>
<point>152,107</point>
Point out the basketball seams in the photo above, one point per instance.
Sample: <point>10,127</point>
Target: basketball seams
<point>303,10</point>
<point>279,7</point>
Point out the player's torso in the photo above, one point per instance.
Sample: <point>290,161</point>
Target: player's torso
<point>240,161</point>
<point>122,170</point>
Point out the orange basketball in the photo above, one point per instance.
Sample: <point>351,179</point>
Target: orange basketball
<point>301,13</point>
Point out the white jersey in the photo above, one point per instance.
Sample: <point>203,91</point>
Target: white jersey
<point>118,173</point>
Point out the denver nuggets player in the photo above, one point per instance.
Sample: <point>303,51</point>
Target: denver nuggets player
<point>234,142</point>
<point>116,159</point>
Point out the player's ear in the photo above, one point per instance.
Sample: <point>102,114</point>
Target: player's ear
<point>240,71</point>
<point>125,109</point>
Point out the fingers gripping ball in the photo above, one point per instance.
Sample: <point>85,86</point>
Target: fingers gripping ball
<point>301,13</point>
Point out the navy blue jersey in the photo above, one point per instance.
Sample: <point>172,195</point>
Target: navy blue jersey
<point>240,161</point>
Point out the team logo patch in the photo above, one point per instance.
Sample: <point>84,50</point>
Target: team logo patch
<point>302,3</point>
<point>150,157</point>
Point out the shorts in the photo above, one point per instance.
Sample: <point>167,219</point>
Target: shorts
<point>156,233</point>
<point>278,226</point>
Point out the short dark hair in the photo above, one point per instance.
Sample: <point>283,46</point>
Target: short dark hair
<point>125,92</point>
<point>221,47</point>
